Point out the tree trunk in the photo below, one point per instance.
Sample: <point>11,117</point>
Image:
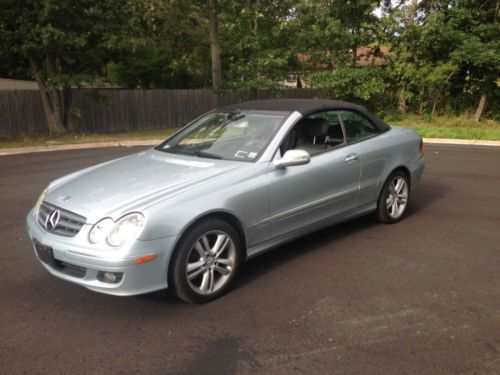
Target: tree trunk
<point>421,101</point>
<point>434,105</point>
<point>480,108</point>
<point>413,11</point>
<point>68,118</point>
<point>213,31</point>
<point>53,116</point>
<point>354,61</point>
<point>401,100</point>
<point>401,92</point>
<point>253,25</point>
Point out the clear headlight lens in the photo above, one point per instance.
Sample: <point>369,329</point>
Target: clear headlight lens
<point>125,229</point>
<point>100,230</point>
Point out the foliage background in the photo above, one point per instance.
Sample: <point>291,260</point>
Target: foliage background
<point>443,59</point>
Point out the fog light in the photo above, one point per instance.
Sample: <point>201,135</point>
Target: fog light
<point>110,277</point>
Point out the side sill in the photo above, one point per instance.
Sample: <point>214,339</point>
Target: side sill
<point>264,247</point>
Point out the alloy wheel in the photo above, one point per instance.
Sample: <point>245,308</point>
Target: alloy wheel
<point>211,262</point>
<point>397,197</point>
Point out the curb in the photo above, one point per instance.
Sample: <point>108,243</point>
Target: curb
<point>468,142</point>
<point>154,142</point>
<point>26,150</point>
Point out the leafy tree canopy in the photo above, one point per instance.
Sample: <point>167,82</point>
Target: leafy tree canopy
<point>443,55</point>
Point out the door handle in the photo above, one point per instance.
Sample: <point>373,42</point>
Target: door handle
<point>351,157</point>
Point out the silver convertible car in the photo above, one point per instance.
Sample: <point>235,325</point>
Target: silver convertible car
<point>232,184</point>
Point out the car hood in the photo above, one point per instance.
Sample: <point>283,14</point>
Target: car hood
<point>133,182</point>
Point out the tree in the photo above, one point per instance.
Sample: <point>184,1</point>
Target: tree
<point>66,43</point>
<point>402,31</point>
<point>354,84</point>
<point>443,51</point>
<point>476,23</point>
<point>331,31</point>
<point>166,46</point>
<point>213,32</point>
<point>258,42</point>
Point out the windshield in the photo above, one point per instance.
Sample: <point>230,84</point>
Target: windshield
<point>225,135</point>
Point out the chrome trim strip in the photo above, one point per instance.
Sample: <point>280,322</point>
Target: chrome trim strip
<point>368,185</point>
<point>306,206</point>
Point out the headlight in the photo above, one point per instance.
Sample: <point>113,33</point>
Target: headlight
<point>39,202</point>
<point>125,229</point>
<point>100,230</point>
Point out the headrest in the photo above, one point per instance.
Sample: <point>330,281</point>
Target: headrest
<point>315,127</point>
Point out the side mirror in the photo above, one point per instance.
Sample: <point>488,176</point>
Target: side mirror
<point>293,157</point>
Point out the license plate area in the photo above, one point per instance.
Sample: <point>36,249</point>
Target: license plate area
<point>45,253</point>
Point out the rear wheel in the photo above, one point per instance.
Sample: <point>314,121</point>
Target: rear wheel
<point>394,198</point>
<point>206,261</point>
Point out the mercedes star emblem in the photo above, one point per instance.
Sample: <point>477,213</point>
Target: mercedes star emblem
<point>52,220</point>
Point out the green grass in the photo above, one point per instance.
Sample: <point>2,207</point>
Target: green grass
<point>75,138</point>
<point>458,127</point>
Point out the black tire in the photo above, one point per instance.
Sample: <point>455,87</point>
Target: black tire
<point>187,252</point>
<point>390,215</point>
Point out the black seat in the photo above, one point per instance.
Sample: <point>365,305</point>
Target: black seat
<point>335,135</point>
<point>313,134</point>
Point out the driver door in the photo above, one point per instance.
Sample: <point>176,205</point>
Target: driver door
<point>303,196</point>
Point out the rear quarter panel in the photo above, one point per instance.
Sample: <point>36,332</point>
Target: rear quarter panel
<point>381,155</point>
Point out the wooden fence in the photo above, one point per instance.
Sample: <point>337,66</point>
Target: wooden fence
<point>21,111</point>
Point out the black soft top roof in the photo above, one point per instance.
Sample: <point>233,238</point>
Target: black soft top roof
<point>303,106</point>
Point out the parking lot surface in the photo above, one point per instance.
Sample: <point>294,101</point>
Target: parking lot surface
<point>418,297</point>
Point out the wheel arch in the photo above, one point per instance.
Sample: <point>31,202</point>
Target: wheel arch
<point>226,216</point>
<point>402,168</point>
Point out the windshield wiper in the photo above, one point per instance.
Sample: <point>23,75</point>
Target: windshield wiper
<point>184,152</point>
<point>204,154</point>
<point>198,153</point>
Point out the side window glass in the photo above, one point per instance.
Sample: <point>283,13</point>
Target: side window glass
<point>315,133</point>
<point>357,126</point>
<point>335,132</point>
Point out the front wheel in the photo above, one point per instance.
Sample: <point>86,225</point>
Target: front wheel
<point>206,261</point>
<point>394,198</point>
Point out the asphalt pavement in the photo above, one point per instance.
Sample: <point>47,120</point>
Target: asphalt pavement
<point>418,297</point>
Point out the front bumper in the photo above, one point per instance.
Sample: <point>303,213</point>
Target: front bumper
<point>79,262</point>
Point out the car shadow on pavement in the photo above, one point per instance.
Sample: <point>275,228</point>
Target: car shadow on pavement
<point>424,196</point>
<point>315,241</point>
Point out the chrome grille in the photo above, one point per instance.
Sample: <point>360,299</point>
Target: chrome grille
<point>69,223</point>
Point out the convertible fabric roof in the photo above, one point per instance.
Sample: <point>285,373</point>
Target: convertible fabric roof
<point>303,106</point>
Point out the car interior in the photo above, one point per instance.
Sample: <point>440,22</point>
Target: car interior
<point>357,126</point>
<point>314,134</point>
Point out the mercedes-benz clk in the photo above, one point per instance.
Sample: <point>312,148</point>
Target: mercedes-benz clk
<point>234,183</point>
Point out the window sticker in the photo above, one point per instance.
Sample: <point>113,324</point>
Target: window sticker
<point>241,154</point>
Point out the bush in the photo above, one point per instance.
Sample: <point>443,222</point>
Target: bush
<point>353,84</point>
